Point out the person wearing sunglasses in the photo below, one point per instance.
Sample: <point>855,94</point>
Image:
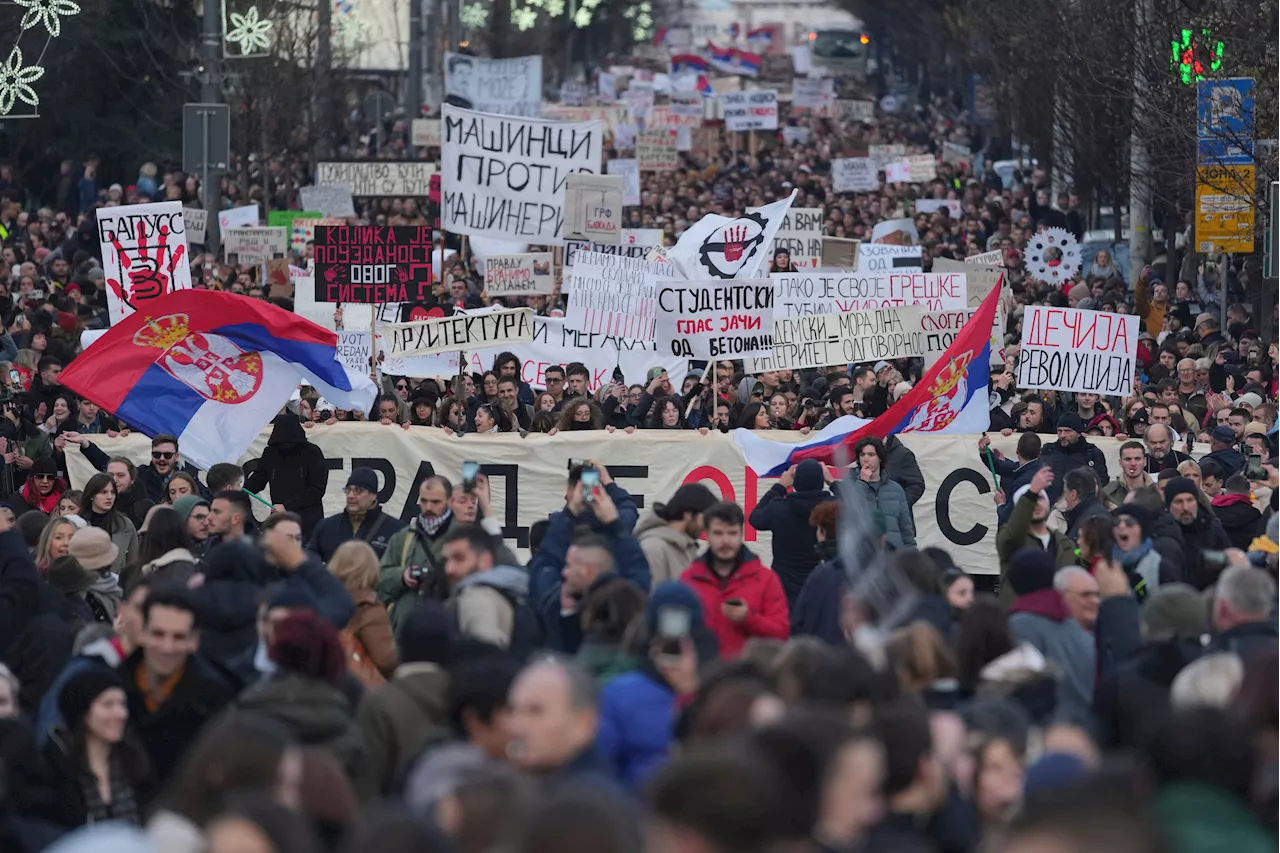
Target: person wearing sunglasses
<point>41,490</point>
<point>165,462</point>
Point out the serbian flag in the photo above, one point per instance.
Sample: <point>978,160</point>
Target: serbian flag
<point>687,62</point>
<point>213,369</point>
<point>951,397</point>
<point>760,36</point>
<point>660,37</point>
<point>745,63</point>
<point>704,86</point>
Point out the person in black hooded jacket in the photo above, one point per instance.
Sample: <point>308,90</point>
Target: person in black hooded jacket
<point>787,515</point>
<point>296,471</point>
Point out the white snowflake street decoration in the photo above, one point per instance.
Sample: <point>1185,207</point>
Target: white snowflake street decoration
<point>47,12</point>
<point>15,82</point>
<point>474,16</point>
<point>1052,256</point>
<point>249,31</point>
<point>524,18</point>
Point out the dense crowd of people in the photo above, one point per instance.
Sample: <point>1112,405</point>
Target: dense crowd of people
<point>180,677</point>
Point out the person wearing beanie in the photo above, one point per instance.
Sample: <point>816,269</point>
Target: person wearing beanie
<point>1040,617</point>
<point>362,518</point>
<point>1072,450</point>
<point>669,532</point>
<point>1223,449</point>
<point>41,491</point>
<point>786,514</point>
<point>1077,293</point>
<point>1135,550</point>
<point>1132,697</point>
<point>93,753</point>
<point>1028,527</point>
<point>1201,532</point>
<point>194,512</point>
<point>31,524</point>
<point>400,719</point>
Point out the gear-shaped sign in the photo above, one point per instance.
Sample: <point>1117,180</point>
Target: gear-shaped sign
<point>1052,256</point>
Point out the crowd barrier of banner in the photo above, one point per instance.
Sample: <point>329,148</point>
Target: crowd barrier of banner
<point>528,474</point>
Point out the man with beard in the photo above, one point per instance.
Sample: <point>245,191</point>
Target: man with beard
<point>1072,451</point>
<point>164,462</point>
<point>1027,528</point>
<point>413,564</point>
<point>1161,454</point>
<point>1202,533</point>
<point>361,519</point>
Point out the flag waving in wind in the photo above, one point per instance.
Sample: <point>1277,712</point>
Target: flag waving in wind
<point>213,369</point>
<point>952,396</point>
<point>729,247</point>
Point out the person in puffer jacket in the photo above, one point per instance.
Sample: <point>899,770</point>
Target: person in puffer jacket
<point>669,533</point>
<point>883,495</point>
<point>786,514</point>
<point>295,470</point>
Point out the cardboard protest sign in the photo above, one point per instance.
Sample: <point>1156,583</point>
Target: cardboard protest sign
<point>372,264</point>
<point>863,111</point>
<point>197,222</point>
<point>923,168</point>
<point>504,176</point>
<point>800,236</point>
<point>994,258</point>
<point>279,278</point>
<point>812,93</point>
<point>882,257</point>
<point>834,292</point>
<point>424,133</point>
<point>822,340</point>
<point>377,178</point>
<point>953,206</point>
<point>839,253</point>
<point>462,332</point>
<point>716,318</point>
<point>854,175</point>
<point>756,109</point>
<point>980,281</point>
<point>519,275</point>
<point>611,114</point>
<point>303,230</point>
<point>614,295</point>
<point>1066,349</point>
<point>331,200</point>
<point>254,245</point>
<point>629,170</point>
<point>593,207</point>
<point>144,254</point>
<point>510,87</point>
<point>656,150</point>
<point>238,217</point>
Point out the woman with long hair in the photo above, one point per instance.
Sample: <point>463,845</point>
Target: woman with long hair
<point>367,639</point>
<point>492,418</point>
<point>99,510</point>
<point>54,542</point>
<point>451,415</point>
<point>166,548</point>
<point>666,413</point>
<point>180,483</point>
<point>101,774</point>
<point>754,417</point>
<point>580,413</point>
<point>69,503</point>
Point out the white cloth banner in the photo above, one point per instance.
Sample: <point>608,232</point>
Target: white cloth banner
<point>459,332</point>
<point>614,295</point>
<point>1067,349</point>
<point>835,291</point>
<point>510,87</point>
<point>144,254</point>
<point>730,247</point>
<point>823,340</point>
<point>504,176</point>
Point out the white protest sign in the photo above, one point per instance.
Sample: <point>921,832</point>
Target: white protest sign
<point>994,258</point>
<point>555,343</point>
<point>801,60</point>
<point>800,236</point>
<point>854,175</point>
<point>881,257</point>
<point>377,178</point>
<point>836,291</point>
<point>355,348</point>
<point>886,153</point>
<point>1066,349</point>
<point>573,92</point>
<point>897,172</point>
<point>333,200</point>
<point>863,111</point>
<point>424,133</point>
<point>197,222</point>
<point>756,109</point>
<point>897,232</point>
<point>510,87</point>
<point>812,93</point>
<point>355,351</point>
<point>980,281</point>
<point>923,168</point>
<point>639,100</point>
<point>796,135</point>
<point>607,86</point>
<point>237,217</point>
<point>504,176</point>
<point>630,172</point>
<point>635,243</point>
<point>593,208</point>
<point>144,254</point>
<point>953,207</point>
<point>255,245</point>
<point>519,275</point>
<point>624,137</point>
<point>459,332</point>
<point>822,340</point>
<point>956,154</point>
<point>716,319</point>
<point>684,138</point>
<point>656,150</point>
<point>614,295</point>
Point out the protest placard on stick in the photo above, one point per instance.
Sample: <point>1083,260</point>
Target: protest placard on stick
<point>254,245</point>
<point>614,295</point>
<point>519,275</point>
<point>1066,349</point>
<point>372,264</point>
<point>144,254</point>
<point>462,332</point>
<point>716,319</point>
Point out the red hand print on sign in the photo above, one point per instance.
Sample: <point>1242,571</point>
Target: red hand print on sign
<point>148,276</point>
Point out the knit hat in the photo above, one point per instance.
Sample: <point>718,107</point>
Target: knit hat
<point>1080,291</point>
<point>809,476</point>
<point>305,643</point>
<point>1224,434</point>
<point>93,548</point>
<point>427,635</point>
<point>1070,420</point>
<point>45,465</point>
<point>293,596</point>
<point>31,524</point>
<point>80,690</point>
<point>880,365</point>
<point>185,504</point>
<point>1249,398</point>
<point>1178,486</point>
<point>1053,770</point>
<point>364,478</point>
<point>1138,513</point>
<point>1032,570</point>
<point>68,577</point>
<point>1175,610</point>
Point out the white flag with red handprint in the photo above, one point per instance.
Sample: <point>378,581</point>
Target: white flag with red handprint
<point>730,247</point>
<point>144,254</point>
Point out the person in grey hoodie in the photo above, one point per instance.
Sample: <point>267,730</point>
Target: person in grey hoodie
<point>669,533</point>
<point>489,600</point>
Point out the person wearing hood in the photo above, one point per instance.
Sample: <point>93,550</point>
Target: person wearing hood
<point>93,549</point>
<point>295,470</point>
<point>1070,451</point>
<point>901,467</point>
<point>668,534</point>
<point>1040,617</point>
<point>1234,508</point>
<point>786,514</point>
<point>490,601</point>
<point>234,578</point>
<point>362,518</point>
<point>41,490</point>
<point>638,709</point>
<point>1201,532</point>
<point>1223,450</point>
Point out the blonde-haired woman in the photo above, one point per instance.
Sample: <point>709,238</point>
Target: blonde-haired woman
<point>368,640</point>
<point>55,542</point>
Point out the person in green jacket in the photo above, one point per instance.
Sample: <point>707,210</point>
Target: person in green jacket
<point>413,564</point>
<point>1026,528</point>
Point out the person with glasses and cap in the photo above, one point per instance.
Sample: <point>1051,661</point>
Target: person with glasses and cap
<point>361,519</point>
<point>165,462</point>
<point>41,490</point>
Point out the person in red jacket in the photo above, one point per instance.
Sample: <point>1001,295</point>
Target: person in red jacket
<point>740,597</point>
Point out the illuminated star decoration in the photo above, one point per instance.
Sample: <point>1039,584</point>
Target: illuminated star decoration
<point>47,12</point>
<point>249,31</point>
<point>1190,52</point>
<point>15,82</point>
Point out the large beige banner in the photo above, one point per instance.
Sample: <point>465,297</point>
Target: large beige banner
<point>527,475</point>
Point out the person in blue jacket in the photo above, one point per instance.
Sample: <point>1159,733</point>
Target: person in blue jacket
<point>591,560</point>
<point>582,509</point>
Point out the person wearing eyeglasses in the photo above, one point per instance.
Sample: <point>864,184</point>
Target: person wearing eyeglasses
<point>41,490</point>
<point>165,461</point>
<point>361,519</point>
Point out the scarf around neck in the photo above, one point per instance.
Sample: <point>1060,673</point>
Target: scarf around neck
<point>1131,558</point>
<point>431,526</point>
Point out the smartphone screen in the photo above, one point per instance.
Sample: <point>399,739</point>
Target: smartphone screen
<point>469,471</point>
<point>673,623</point>
<point>590,479</point>
<point>1253,467</point>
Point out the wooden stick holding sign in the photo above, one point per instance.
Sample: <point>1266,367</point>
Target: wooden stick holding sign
<point>373,335</point>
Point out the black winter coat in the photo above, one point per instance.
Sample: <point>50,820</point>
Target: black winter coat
<point>377,529</point>
<point>902,468</point>
<point>296,471</point>
<point>1241,521</point>
<point>1079,454</point>
<point>816,612</point>
<point>787,515</point>
<point>1166,537</point>
<point>1205,533</point>
<point>1133,700</point>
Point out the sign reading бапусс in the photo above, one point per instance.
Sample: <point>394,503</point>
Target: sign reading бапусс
<point>372,264</point>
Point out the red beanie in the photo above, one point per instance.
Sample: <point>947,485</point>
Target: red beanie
<point>305,643</point>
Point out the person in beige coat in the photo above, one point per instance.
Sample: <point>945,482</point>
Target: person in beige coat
<point>490,601</point>
<point>669,533</point>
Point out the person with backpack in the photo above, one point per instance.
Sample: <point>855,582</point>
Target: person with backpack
<point>491,602</point>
